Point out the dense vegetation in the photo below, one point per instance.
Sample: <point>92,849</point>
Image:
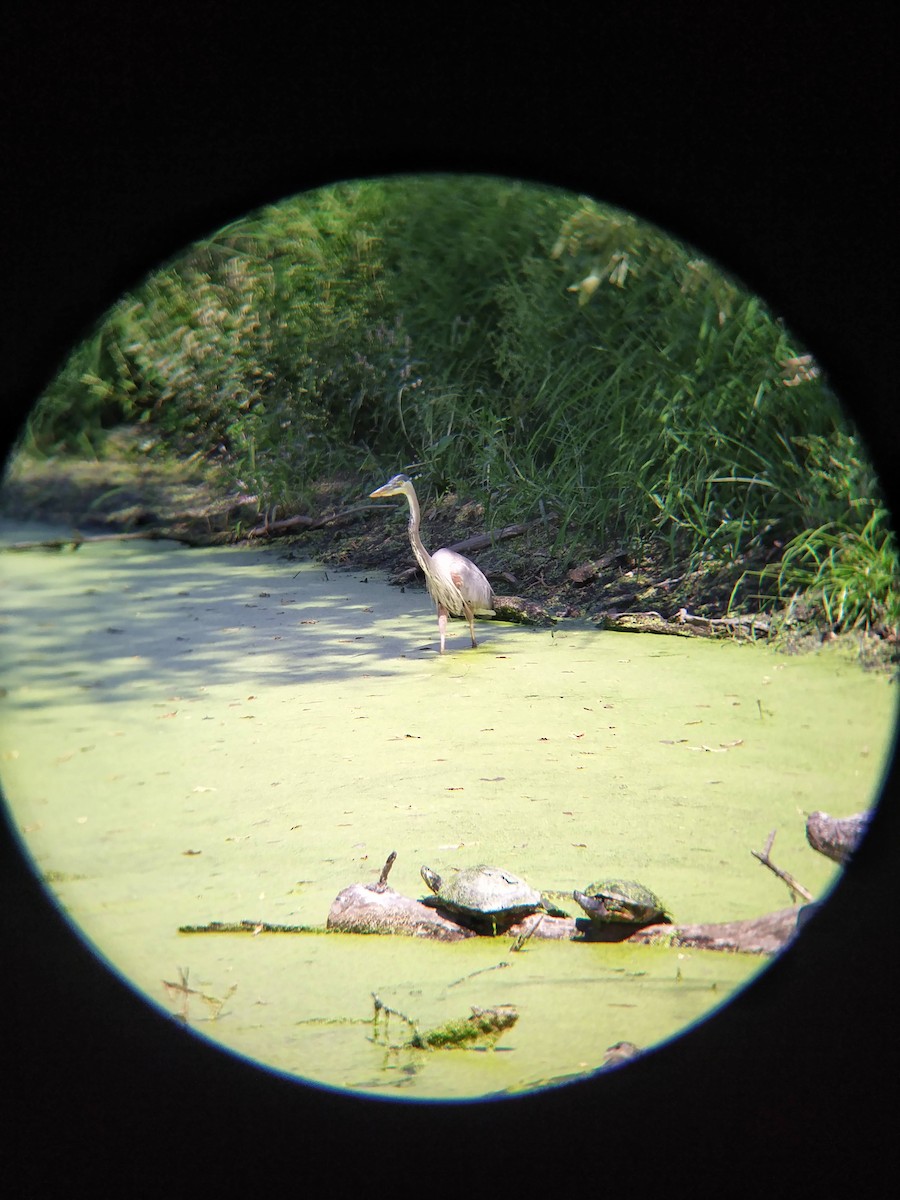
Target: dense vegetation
<point>513,343</point>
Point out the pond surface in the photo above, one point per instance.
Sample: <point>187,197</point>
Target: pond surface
<point>190,736</point>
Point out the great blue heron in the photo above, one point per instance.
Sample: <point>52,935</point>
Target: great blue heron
<point>454,583</point>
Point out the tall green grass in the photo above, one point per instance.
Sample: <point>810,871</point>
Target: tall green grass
<point>511,342</point>
<point>850,575</point>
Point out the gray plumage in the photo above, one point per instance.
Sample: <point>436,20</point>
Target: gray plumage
<point>454,583</point>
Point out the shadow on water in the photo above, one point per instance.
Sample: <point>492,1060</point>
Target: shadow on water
<point>222,735</point>
<point>107,617</point>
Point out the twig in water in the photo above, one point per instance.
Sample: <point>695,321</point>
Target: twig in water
<point>482,971</point>
<point>181,989</point>
<point>523,937</point>
<point>796,889</point>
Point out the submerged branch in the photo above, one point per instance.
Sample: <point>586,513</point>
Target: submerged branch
<point>254,927</point>
<point>155,534</point>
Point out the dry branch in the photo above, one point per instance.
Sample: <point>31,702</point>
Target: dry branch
<point>290,524</point>
<point>479,541</point>
<point>797,889</point>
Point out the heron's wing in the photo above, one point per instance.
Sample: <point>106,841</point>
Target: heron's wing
<point>468,581</point>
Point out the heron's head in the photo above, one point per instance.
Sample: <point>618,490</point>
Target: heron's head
<point>399,485</point>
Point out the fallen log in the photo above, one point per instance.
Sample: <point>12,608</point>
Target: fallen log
<point>758,935</point>
<point>247,926</point>
<point>647,622</point>
<point>588,571</point>
<point>300,521</point>
<point>684,624</point>
<point>835,837</point>
<point>524,612</point>
<point>482,1027</point>
<point>361,909</point>
<point>747,625</point>
<point>479,541</point>
<point>76,539</point>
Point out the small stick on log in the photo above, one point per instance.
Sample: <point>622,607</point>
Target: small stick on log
<point>381,885</point>
<point>796,889</point>
<point>523,937</point>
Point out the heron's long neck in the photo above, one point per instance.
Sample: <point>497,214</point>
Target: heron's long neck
<point>423,558</point>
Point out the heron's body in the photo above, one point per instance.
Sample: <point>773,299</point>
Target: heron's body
<point>454,583</point>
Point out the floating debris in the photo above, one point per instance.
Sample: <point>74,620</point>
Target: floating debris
<point>484,1025</point>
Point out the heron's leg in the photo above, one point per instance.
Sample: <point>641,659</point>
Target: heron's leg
<point>470,617</point>
<point>442,625</point>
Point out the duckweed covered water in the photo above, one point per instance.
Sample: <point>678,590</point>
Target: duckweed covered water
<point>219,735</point>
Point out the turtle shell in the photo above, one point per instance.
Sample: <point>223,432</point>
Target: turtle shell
<point>623,901</point>
<point>483,891</point>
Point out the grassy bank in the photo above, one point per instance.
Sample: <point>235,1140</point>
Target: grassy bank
<point>517,346</point>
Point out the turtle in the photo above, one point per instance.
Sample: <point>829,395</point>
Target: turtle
<point>486,897</point>
<point>622,901</point>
